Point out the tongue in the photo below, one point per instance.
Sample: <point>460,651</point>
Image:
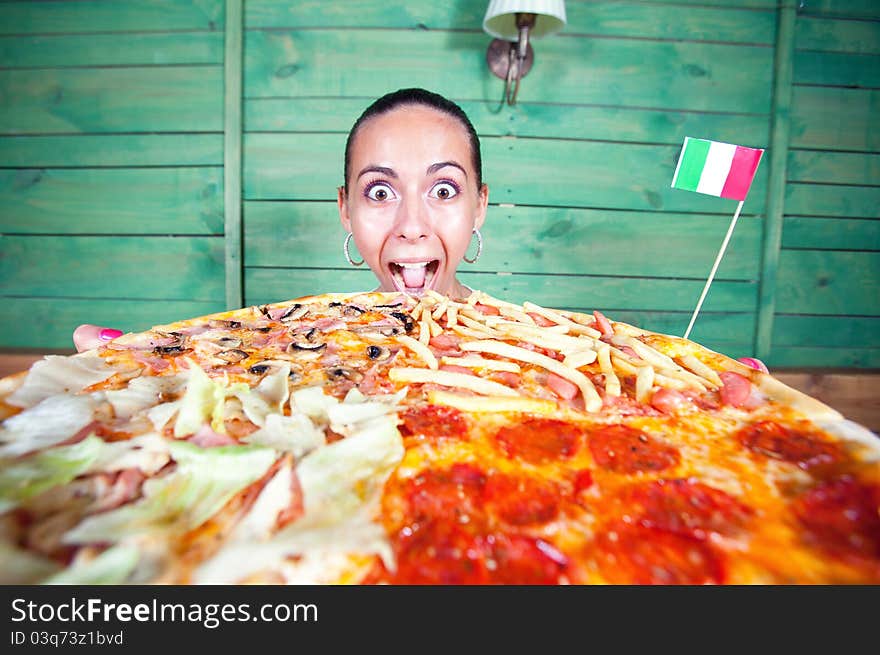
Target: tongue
<point>414,277</point>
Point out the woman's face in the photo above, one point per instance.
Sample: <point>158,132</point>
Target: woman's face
<point>412,200</point>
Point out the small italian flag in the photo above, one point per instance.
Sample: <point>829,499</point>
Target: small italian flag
<point>717,169</point>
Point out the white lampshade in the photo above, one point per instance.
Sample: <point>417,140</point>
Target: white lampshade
<point>500,20</point>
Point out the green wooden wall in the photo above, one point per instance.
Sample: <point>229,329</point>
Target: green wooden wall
<point>167,158</point>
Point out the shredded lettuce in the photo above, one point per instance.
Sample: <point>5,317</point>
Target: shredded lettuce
<point>22,567</point>
<point>141,393</point>
<point>295,434</point>
<point>357,408</point>
<point>113,566</point>
<point>267,398</point>
<point>23,479</point>
<point>59,374</point>
<point>51,421</point>
<point>341,485</point>
<point>313,402</point>
<point>204,480</point>
<point>204,399</point>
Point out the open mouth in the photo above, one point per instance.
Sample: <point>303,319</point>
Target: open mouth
<point>413,277</point>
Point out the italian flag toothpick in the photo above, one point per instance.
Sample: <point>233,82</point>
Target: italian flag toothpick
<point>717,169</point>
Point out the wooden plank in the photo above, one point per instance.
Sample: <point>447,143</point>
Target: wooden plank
<point>835,118</point>
<point>232,127</point>
<point>834,233</point>
<point>854,8</point>
<point>633,19</point>
<point>832,200</point>
<point>837,35</point>
<point>852,394</point>
<point>819,356</point>
<point>55,16</point>
<point>657,294</point>
<point>726,333</point>
<point>112,201</point>
<point>528,171</point>
<point>828,282</point>
<point>173,99</point>
<point>262,285</point>
<point>659,74</point>
<point>364,14</point>
<point>833,167</point>
<point>112,150</point>
<point>830,331</point>
<point>611,292</point>
<point>110,49</point>
<point>49,323</point>
<point>172,268</point>
<point>336,114</point>
<point>549,240</point>
<point>837,69</point>
<point>780,133</point>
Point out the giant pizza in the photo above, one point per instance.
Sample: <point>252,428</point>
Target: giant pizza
<point>380,438</point>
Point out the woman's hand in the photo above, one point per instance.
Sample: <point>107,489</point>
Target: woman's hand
<point>86,336</point>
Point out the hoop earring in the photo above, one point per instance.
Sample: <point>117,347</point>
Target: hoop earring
<point>479,248</point>
<point>347,255</point>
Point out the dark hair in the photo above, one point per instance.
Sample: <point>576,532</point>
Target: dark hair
<point>409,97</point>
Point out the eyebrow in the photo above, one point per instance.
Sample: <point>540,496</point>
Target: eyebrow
<point>384,170</point>
<point>433,168</point>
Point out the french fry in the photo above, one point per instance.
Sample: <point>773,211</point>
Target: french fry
<point>472,361</point>
<point>419,349</point>
<point>592,400</point>
<point>493,404</point>
<point>449,379</point>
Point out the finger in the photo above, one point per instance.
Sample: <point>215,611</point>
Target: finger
<point>754,363</point>
<point>86,336</point>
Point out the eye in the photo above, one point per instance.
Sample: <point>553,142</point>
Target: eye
<point>379,191</point>
<point>444,190</point>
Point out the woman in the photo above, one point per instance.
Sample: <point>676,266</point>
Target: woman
<point>412,199</point>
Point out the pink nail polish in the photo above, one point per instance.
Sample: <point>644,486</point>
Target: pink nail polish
<point>108,333</point>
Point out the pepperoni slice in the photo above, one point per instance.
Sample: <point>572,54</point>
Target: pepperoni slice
<point>561,387</point>
<point>487,310</point>
<point>686,507</point>
<point>541,320</point>
<point>521,500</point>
<point>736,389</point>
<point>632,554</point>
<point>433,421</point>
<point>518,559</point>
<point>778,442</point>
<point>622,449</point>
<point>603,324</point>
<point>445,553</point>
<point>540,440</point>
<point>455,492</point>
<point>440,552</point>
<point>841,516</point>
<point>670,401</point>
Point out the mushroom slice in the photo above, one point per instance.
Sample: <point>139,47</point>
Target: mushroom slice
<point>306,341</point>
<point>408,323</point>
<point>232,356</point>
<point>218,323</point>
<point>229,342</point>
<point>343,373</point>
<point>267,366</point>
<point>378,353</point>
<point>294,313</point>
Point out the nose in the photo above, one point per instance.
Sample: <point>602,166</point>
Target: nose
<point>412,221</point>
